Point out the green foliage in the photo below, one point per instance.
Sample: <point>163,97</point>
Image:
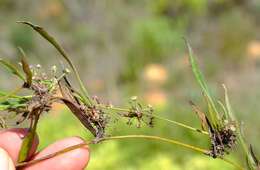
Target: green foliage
<point>212,110</point>
<point>191,7</point>
<point>153,40</point>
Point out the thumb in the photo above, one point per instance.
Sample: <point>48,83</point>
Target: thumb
<point>6,162</point>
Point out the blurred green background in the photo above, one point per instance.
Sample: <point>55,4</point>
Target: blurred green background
<point>125,48</point>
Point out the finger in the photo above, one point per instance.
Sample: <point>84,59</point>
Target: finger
<point>11,141</point>
<point>6,162</point>
<point>76,159</point>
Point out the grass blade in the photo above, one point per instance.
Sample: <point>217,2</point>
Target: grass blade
<point>228,105</point>
<point>11,68</point>
<point>200,79</point>
<point>52,40</point>
<point>223,109</point>
<point>12,93</point>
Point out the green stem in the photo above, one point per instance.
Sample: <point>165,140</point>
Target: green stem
<point>204,151</point>
<point>181,124</point>
<point>158,117</point>
<point>157,138</point>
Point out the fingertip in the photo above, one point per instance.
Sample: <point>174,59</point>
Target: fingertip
<point>74,159</point>
<point>11,142</point>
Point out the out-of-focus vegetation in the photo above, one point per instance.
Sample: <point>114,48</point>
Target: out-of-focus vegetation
<point>126,48</point>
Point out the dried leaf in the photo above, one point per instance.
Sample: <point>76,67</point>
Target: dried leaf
<point>2,122</point>
<point>26,69</point>
<point>80,114</point>
<point>201,116</point>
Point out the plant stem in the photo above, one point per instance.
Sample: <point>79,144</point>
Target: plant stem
<point>204,151</point>
<point>158,139</point>
<point>124,137</point>
<point>181,124</point>
<point>158,117</point>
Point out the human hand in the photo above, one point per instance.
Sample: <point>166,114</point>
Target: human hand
<point>11,141</point>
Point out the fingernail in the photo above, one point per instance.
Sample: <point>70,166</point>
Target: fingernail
<point>6,162</point>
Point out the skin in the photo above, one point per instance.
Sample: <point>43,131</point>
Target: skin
<point>11,141</point>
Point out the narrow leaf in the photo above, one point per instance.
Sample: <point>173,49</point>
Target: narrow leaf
<point>228,105</point>
<point>200,79</point>
<point>28,140</point>
<point>52,40</point>
<point>12,69</point>
<point>26,69</point>
<point>26,145</point>
<point>12,93</point>
<point>223,109</point>
<point>81,115</point>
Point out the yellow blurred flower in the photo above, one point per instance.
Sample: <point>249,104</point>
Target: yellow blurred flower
<point>253,50</point>
<point>156,74</point>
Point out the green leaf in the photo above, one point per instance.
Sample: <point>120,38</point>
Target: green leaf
<point>26,146</point>
<point>11,68</point>
<point>28,140</point>
<point>228,105</point>
<point>214,115</point>
<point>26,68</point>
<point>52,40</point>
<point>223,109</point>
<point>233,118</point>
<point>12,93</point>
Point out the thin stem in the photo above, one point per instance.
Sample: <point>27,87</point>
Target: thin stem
<point>204,151</point>
<point>158,139</point>
<point>124,137</point>
<point>181,124</point>
<point>158,117</point>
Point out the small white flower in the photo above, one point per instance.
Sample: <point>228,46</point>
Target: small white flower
<point>38,66</point>
<point>134,98</point>
<point>54,69</point>
<point>67,71</point>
